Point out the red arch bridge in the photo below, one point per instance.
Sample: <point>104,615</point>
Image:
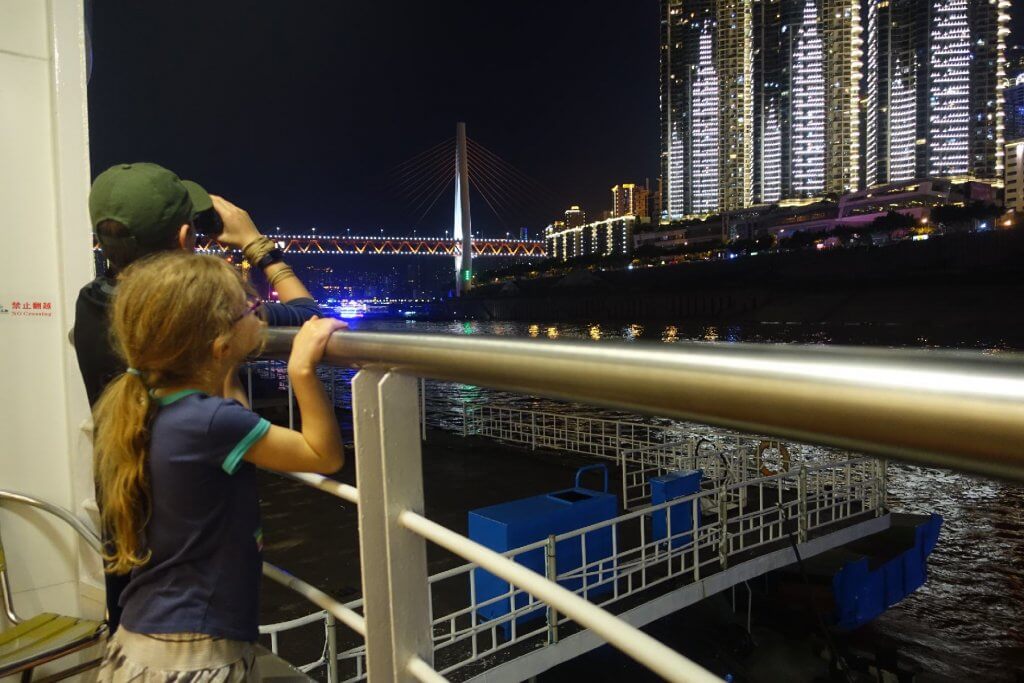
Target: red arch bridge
<point>386,246</point>
<point>391,246</point>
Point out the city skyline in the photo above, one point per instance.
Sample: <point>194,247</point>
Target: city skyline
<point>931,104</point>
<point>772,154</point>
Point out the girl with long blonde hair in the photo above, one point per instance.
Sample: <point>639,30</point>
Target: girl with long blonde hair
<point>175,450</point>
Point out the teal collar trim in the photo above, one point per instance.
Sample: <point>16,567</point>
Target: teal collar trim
<point>176,396</point>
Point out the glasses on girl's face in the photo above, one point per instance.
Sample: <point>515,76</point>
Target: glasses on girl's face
<point>252,306</point>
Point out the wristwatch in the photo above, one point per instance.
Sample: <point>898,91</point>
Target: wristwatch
<point>273,256</point>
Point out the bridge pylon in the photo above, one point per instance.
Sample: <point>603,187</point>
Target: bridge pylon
<point>462,228</point>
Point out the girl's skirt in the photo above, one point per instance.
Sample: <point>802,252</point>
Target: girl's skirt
<point>178,657</point>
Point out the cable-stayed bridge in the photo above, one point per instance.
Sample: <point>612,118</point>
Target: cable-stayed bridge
<point>332,245</point>
<point>419,183</point>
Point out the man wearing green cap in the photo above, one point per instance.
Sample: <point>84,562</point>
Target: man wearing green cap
<point>141,209</point>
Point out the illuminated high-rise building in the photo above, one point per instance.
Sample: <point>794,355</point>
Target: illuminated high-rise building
<point>935,73</point>
<point>759,102</point>
<point>575,217</point>
<point>689,108</point>
<point>808,105</point>
<point>734,64</point>
<point>949,76</point>
<point>1013,104</point>
<point>706,110</point>
<point>841,30</point>
<point>629,199</point>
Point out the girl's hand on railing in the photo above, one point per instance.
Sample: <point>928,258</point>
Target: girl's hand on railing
<point>310,343</point>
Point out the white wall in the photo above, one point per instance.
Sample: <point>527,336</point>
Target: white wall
<point>45,257</point>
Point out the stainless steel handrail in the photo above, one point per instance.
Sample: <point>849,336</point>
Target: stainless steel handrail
<point>962,410</point>
<point>87,534</point>
<point>333,607</point>
<point>349,617</point>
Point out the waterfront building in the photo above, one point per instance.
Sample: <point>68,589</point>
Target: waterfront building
<point>654,200</point>
<point>935,75</point>
<point>1013,105</point>
<point>629,199</point>
<point>759,102</point>
<point>575,217</point>
<point>611,237</point>
<point>1014,178</point>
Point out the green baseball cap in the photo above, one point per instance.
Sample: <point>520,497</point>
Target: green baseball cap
<point>149,200</point>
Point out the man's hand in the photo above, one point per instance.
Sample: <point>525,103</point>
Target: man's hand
<point>239,230</point>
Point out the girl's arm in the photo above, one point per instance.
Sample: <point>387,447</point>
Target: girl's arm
<point>317,448</point>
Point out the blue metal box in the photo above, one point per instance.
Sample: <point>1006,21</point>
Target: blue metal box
<point>669,487</point>
<point>517,523</point>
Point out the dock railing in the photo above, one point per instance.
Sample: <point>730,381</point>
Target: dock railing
<point>958,410</point>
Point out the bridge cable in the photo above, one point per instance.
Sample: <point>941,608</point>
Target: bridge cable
<point>428,152</point>
<point>510,194</point>
<point>509,179</point>
<point>436,197</point>
<point>489,175</point>
<point>486,183</point>
<point>480,191</point>
<point>513,170</point>
<point>443,155</point>
<point>426,175</point>
<point>424,171</point>
<point>413,193</point>
<point>435,191</point>
<point>512,182</point>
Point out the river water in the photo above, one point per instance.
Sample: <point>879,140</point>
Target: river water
<point>967,622</point>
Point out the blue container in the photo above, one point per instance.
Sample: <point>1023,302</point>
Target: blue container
<point>863,593</point>
<point>669,487</point>
<point>520,522</point>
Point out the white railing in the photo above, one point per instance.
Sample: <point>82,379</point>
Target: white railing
<point>961,411</point>
<point>761,512</point>
<point>640,450</point>
<point>400,641</point>
<point>634,561</point>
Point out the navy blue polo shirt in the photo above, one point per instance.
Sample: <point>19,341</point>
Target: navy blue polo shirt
<point>204,532</point>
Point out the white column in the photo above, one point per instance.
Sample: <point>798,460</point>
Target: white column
<point>47,257</point>
<point>396,598</point>
<point>463,226</point>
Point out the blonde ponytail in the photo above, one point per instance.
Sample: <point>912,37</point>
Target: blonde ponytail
<point>123,416</point>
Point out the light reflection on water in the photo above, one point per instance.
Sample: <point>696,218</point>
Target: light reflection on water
<point>967,622</point>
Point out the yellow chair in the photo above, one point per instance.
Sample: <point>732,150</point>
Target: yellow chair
<point>45,637</point>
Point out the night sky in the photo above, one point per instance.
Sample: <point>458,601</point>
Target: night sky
<point>301,111</point>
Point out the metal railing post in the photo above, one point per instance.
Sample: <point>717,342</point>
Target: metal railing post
<point>551,572</point>
<point>885,483</point>
<point>394,560</point>
<point>879,485</point>
<point>465,420</point>
<point>533,430</point>
<point>618,445</point>
<point>801,494</point>
<point>331,626</point>
<point>423,408</point>
<point>723,522</point>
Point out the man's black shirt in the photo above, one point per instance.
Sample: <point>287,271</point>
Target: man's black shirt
<point>97,360</point>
